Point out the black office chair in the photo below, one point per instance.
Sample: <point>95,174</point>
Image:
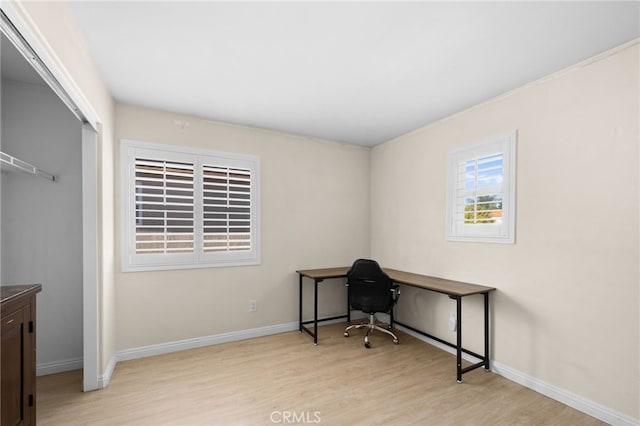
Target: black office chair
<point>371,290</point>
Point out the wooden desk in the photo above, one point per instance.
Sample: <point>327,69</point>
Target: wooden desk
<point>454,289</point>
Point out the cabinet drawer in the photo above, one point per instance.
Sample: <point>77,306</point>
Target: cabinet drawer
<point>9,321</point>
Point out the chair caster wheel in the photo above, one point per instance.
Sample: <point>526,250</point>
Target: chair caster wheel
<point>367,345</point>
<point>346,334</point>
<point>396,341</point>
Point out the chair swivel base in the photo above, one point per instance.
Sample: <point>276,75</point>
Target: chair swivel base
<point>371,325</point>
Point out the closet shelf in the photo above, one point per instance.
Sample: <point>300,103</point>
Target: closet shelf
<point>17,164</point>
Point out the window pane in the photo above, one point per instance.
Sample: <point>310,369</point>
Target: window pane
<point>164,207</point>
<point>480,190</point>
<point>227,209</point>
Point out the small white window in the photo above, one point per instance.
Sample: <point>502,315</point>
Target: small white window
<point>481,191</point>
<point>188,208</point>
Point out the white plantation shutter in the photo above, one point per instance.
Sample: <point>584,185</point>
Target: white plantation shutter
<point>164,207</point>
<point>481,191</point>
<point>227,209</point>
<point>188,208</point>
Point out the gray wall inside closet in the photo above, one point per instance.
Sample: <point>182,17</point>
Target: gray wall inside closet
<point>42,220</point>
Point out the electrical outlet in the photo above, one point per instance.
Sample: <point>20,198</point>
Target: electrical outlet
<point>453,321</point>
<point>253,306</point>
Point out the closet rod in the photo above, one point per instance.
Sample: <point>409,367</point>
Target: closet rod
<point>12,161</point>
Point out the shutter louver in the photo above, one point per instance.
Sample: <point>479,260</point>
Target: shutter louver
<point>226,209</point>
<point>164,207</point>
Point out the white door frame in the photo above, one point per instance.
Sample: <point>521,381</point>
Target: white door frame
<point>90,307</point>
<point>44,63</point>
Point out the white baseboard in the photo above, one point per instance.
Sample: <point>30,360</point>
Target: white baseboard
<point>53,367</point>
<point>105,378</point>
<point>578,402</point>
<point>46,368</point>
<point>216,339</point>
<point>198,342</point>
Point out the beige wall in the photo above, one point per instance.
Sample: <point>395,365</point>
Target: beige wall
<point>52,23</point>
<point>566,310</point>
<point>314,213</point>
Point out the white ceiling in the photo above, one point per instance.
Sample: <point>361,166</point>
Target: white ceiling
<point>356,72</point>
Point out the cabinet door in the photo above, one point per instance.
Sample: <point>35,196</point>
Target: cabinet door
<point>16,358</point>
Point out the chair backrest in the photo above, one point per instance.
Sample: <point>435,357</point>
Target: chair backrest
<point>369,287</point>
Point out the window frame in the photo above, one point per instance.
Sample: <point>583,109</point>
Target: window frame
<point>132,261</point>
<point>503,232</point>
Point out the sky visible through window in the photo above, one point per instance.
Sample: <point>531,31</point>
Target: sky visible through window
<point>483,190</point>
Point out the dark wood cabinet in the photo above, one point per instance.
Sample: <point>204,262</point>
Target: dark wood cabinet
<point>18,354</point>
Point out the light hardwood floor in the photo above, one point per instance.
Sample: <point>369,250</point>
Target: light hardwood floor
<point>285,379</point>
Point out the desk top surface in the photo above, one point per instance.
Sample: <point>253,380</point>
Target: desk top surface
<point>441,285</point>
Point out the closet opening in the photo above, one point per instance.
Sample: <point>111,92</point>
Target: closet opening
<point>48,203</point>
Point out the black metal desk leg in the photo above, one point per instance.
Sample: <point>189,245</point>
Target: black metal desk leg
<point>300,306</point>
<point>315,312</point>
<point>459,339</point>
<point>486,331</point>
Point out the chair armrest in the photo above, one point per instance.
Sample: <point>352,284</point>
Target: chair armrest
<point>395,288</point>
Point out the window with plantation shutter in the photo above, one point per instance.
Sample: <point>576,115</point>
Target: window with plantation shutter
<point>481,191</point>
<point>188,208</point>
